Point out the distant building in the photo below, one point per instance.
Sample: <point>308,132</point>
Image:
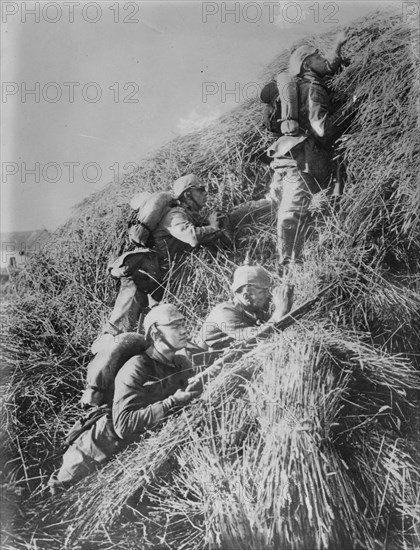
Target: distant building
<point>17,246</point>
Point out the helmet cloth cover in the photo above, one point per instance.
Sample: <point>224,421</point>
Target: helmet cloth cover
<point>162,314</point>
<point>182,184</point>
<point>251,275</point>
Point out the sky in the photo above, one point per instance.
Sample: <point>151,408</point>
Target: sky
<point>91,88</point>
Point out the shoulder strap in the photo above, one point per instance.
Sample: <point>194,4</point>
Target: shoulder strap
<point>85,422</point>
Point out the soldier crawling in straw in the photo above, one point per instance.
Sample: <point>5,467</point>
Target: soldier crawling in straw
<point>149,387</point>
<point>242,317</point>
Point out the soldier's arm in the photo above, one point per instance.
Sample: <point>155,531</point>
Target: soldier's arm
<point>334,57</point>
<point>225,325</point>
<point>210,336</point>
<point>132,414</point>
<point>180,227</point>
<point>325,125</point>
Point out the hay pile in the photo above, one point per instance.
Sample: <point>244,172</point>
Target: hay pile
<point>309,442</point>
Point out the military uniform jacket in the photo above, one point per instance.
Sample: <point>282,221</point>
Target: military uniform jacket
<point>178,232</point>
<point>319,125</point>
<point>143,390</point>
<point>228,322</point>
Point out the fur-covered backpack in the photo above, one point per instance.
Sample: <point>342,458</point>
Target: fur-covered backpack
<point>281,109</point>
<point>150,208</point>
<point>105,365</point>
<point>148,211</point>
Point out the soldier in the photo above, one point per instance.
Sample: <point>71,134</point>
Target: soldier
<point>303,163</point>
<point>177,233</point>
<point>241,318</point>
<point>148,388</point>
<point>155,383</point>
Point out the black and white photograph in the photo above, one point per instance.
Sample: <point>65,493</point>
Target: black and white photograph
<point>210,275</point>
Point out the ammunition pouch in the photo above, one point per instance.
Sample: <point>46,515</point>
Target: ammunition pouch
<point>142,264</point>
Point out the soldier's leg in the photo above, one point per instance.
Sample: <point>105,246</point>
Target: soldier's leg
<point>306,226</point>
<point>89,452</point>
<point>292,212</point>
<point>76,465</point>
<point>130,303</point>
<point>263,211</point>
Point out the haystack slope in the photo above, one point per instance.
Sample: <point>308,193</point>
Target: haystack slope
<point>309,442</point>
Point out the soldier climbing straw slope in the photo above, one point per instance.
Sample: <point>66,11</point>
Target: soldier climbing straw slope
<point>303,155</point>
<point>143,272</point>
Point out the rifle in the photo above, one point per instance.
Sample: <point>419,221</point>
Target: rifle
<point>243,347</point>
